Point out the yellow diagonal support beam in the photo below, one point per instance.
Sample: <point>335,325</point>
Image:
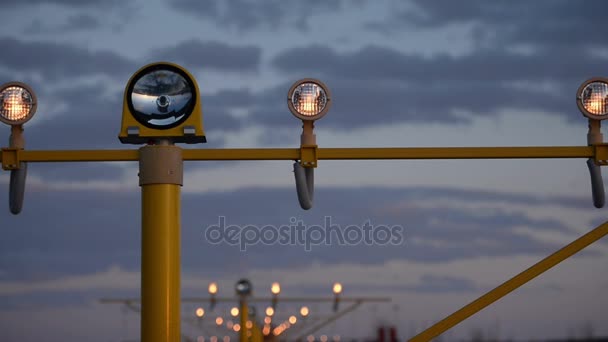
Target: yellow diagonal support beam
<point>511,284</point>
<point>325,153</point>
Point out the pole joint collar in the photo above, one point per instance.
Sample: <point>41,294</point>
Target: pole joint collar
<point>161,164</point>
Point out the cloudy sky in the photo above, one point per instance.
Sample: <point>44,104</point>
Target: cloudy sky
<point>402,73</point>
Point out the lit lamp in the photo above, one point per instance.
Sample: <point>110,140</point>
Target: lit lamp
<point>337,290</point>
<point>17,106</point>
<point>200,312</point>
<point>275,289</point>
<point>308,100</point>
<point>304,311</point>
<point>592,101</point>
<point>212,293</point>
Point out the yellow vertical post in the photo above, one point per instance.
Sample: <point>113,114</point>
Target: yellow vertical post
<point>256,333</point>
<point>244,311</point>
<point>161,174</point>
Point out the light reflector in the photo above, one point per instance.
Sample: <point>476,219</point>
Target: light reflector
<point>161,97</point>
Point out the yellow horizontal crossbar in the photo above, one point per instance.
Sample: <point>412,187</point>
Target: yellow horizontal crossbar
<point>322,153</point>
<point>512,284</point>
<point>457,152</point>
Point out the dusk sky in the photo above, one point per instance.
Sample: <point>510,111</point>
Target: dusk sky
<point>402,74</point>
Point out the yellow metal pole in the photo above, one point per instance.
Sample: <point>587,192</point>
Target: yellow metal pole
<point>160,179</point>
<point>512,284</point>
<point>256,333</point>
<point>244,316</point>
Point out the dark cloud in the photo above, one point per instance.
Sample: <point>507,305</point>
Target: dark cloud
<point>542,23</point>
<point>91,120</point>
<point>407,87</point>
<point>373,63</point>
<point>82,22</point>
<point>66,232</point>
<point>66,3</point>
<point>211,55</point>
<point>217,116</point>
<point>57,61</point>
<point>246,15</point>
<point>75,172</point>
<point>442,284</point>
<point>74,23</point>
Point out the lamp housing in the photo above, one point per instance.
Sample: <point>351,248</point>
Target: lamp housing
<point>243,287</point>
<point>309,99</point>
<point>162,101</point>
<point>592,98</point>
<point>18,103</point>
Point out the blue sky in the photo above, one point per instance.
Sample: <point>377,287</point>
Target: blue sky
<point>402,73</point>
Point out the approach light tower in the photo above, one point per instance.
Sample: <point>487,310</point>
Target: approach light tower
<point>162,107</point>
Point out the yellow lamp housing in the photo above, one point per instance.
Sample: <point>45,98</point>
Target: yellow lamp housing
<point>162,101</point>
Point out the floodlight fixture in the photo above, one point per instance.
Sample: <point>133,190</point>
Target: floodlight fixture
<point>200,312</point>
<point>234,311</point>
<point>304,311</point>
<point>592,101</point>
<point>213,288</point>
<point>592,98</point>
<point>17,103</point>
<point>275,288</point>
<point>212,292</point>
<point>269,311</point>
<point>17,106</point>
<point>309,99</point>
<point>162,101</point>
<point>337,288</point>
<point>243,287</point>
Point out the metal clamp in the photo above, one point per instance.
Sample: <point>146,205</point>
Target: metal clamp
<point>601,154</point>
<point>308,156</point>
<point>10,158</point>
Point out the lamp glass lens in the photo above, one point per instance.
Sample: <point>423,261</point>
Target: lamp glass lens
<point>595,98</point>
<point>309,99</point>
<point>243,287</point>
<point>162,98</point>
<point>15,103</point>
